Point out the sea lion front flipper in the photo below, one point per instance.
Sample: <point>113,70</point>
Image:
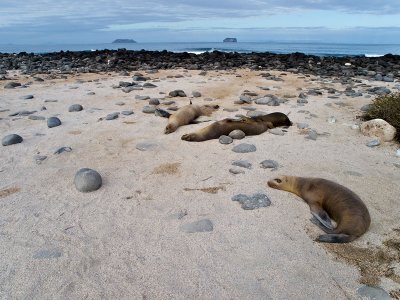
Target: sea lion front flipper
<point>336,238</point>
<point>322,216</point>
<point>162,113</point>
<point>199,121</point>
<point>315,221</point>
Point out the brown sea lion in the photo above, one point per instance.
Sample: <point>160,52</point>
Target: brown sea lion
<point>187,114</point>
<point>328,199</point>
<point>250,126</point>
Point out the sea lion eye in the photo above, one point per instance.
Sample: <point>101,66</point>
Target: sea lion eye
<point>278,180</point>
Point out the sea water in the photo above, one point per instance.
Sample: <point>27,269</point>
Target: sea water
<point>312,48</point>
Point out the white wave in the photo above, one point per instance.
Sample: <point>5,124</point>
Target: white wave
<point>373,55</point>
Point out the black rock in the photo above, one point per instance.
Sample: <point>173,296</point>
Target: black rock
<point>252,202</point>
<point>87,180</point>
<point>53,122</point>
<point>269,164</point>
<point>112,116</point>
<point>177,93</point>
<point>244,148</point>
<point>242,163</point>
<point>11,139</point>
<point>224,139</point>
<point>127,112</point>
<point>75,107</point>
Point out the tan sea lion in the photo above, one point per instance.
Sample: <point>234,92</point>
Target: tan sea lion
<point>250,126</point>
<point>187,114</point>
<point>328,199</point>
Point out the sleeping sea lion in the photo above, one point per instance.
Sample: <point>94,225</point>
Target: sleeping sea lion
<point>328,199</point>
<point>187,114</point>
<point>250,126</point>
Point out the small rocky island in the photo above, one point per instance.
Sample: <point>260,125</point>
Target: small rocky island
<point>123,41</point>
<point>230,40</point>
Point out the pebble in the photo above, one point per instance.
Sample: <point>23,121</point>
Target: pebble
<point>267,101</point>
<point>112,116</point>
<point>138,97</point>
<point>230,109</point>
<point>47,253</point>
<point>255,113</point>
<point>75,107</point>
<point>244,148</point>
<point>129,89</point>
<point>120,103</point>
<point>12,85</point>
<point>236,171</point>
<point>331,120</point>
<point>302,101</point>
<point>302,125</point>
<point>146,146</point>
<point>249,108</point>
<point>27,97</point>
<point>398,153</point>
<point>87,180</point>
<point>373,143</point>
<point>139,78</point>
<point>177,93</point>
<point>127,112</point>
<point>53,122</point>
<point>204,225</point>
<point>11,139</point>
<point>22,113</point>
<point>224,139</point>
<point>147,109</point>
<point>312,135</point>
<point>33,117</point>
<point>269,164</point>
<point>154,101</point>
<point>39,158</point>
<point>276,131</point>
<point>372,293</point>
<point>63,149</point>
<point>91,93</point>
<point>242,163</point>
<point>252,202</point>
<point>149,85</point>
<point>237,134</point>
<point>196,94</point>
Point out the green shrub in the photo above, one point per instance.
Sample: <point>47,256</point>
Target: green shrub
<point>386,107</point>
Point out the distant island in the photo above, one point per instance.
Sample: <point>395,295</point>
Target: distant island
<point>120,41</point>
<point>230,40</point>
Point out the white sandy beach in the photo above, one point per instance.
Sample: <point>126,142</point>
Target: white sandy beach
<point>124,241</point>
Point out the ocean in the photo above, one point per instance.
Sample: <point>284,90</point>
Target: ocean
<point>311,48</point>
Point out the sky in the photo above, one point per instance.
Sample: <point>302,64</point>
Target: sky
<point>102,21</point>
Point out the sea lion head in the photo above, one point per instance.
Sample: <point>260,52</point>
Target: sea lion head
<point>171,127</point>
<point>285,183</point>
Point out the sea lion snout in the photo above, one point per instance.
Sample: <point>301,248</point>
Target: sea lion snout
<point>276,182</point>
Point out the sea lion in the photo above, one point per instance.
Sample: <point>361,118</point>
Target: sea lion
<point>250,126</point>
<point>328,199</point>
<point>187,114</point>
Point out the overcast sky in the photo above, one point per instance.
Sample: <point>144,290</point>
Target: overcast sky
<point>101,21</point>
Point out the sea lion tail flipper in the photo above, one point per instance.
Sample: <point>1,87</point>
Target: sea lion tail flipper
<point>162,113</point>
<point>322,216</point>
<point>336,238</point>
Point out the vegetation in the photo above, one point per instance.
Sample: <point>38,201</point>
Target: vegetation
<point>386,107</point>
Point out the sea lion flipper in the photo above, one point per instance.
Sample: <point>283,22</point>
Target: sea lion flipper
<point>322,216</point>
<point>162,113</point>
<point>315,221</point>
<point>336,238</point>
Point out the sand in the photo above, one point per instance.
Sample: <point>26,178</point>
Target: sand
<point>124,240</point>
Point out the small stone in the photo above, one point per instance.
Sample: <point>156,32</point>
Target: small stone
<point>236,171</point>
<point>11,139</point>
<point>127,112</point>
<point>255,113</point>
<point>12,85</point>
<point>63,149</point>
<point>312,135</point>
<point>244,148</point>
<point>39,158</point>
<point>53,122</point>
<point>237,134</point>
<point>177,93</point>
<point>87,180</point>
<point>302,125</point>
<point>149,109</point>
<point>27,97</point>
<point>276,131</point>
<point>139,78</point>
<point>398,153</point>
<point>224,139</point>
<point>47,253</point>
<point>245,99</point>
<point>269,164</point>
<point>196,94</point>
<point>204,225</point>
<point>373,143</point>
<point>149,85</point>
<point>252,202</point>
<point>75,107</point>
<point>242,164</point>
<point>154,101</point>
<point>112,116</point>
<point>355,127</point>
<point>302,101</point>
<point>129,89</point>
<point>372,293</point>
<point>230,109</point>
<point>33,117</point>
<point>91,93</point>
<point>331,120</point>
<point>138,97</point>
<point>120,103</point>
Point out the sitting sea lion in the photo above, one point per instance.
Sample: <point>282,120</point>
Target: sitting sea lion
<point>186,115</point>
<point>328,199</point>
<point>250,126</point>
